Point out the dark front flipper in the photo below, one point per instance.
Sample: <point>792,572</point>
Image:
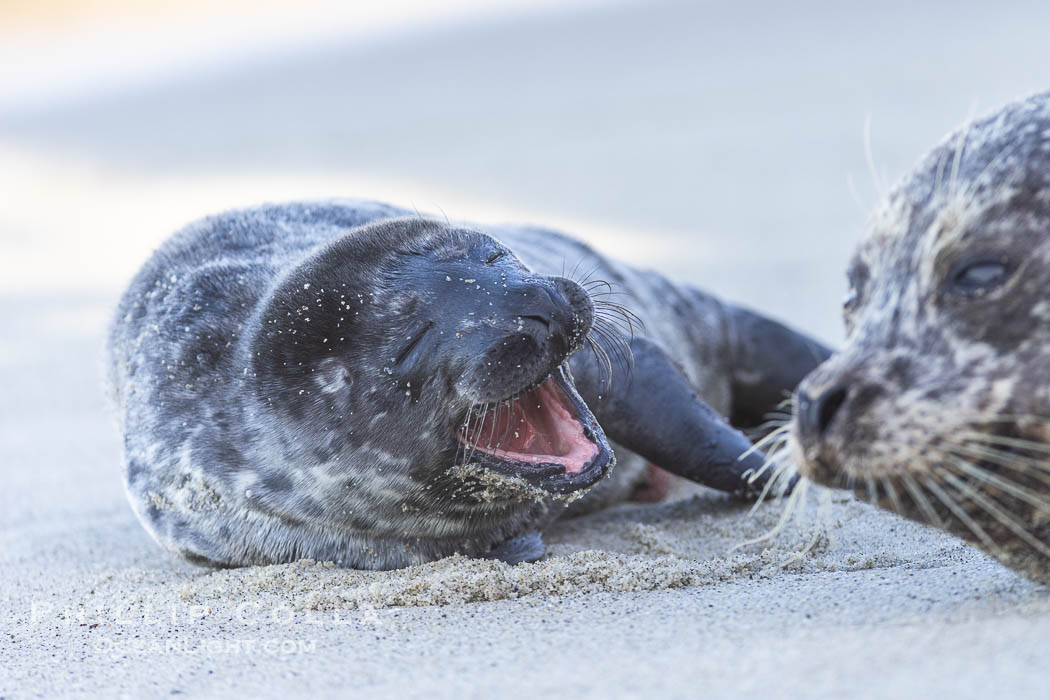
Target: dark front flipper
<point>528,547</point>
<point>769,360</point>
<point>653,411</point>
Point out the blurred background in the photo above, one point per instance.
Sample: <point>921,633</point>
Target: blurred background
<point>719,142</point>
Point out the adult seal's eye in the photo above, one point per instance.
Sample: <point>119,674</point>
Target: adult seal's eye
<point>977,277</point>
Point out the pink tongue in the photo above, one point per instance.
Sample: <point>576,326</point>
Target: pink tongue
<point>532,428</point>
<point>527,425</point>
<point>537,427</point>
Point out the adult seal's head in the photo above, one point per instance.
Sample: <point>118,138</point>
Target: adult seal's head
<point>938,405</point>
<point>394,394</point>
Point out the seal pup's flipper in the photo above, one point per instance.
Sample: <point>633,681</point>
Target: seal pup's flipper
<point>652,410</point>
<point>528,547</point>
<point>769,361</point>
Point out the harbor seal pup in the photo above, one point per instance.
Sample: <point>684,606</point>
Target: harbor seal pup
<point>938,405</point>
<point>348,382</point>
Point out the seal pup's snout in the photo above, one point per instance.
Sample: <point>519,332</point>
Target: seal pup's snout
<point>527,420</point>
<point>538,325</point>
<point>578,308</point>
<point>567,313</point>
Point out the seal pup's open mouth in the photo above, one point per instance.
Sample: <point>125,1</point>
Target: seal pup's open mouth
<point>545,435</point>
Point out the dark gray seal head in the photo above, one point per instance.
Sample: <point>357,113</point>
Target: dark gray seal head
<point>938,405</point>
<point>343,382</point>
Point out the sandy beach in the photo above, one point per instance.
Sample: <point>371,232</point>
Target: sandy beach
<point>723,146</point>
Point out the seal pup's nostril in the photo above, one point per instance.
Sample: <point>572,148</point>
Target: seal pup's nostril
<point>816,414</point>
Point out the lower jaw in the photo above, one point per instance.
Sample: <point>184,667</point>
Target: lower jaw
<point>497,481</point>
<point>499,489</point>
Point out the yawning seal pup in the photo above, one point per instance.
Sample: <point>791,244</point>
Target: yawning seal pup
<point>347,382</point>
<point>938,406</point>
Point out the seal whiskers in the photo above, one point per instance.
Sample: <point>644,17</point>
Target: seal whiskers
<point>960,513</point>
<point>613,325</point>
<point>992,509</point>
<point>959,149</point>
<point>779,481</point>
<point>790,504</point>
<point>1001,483</point>
<point>891,493</point>
<point>795,504</point>
<point>770,441</point>
<point>871,489</point>
<point>869,158</point>
<point>920,500</point>
<point>821,522</point>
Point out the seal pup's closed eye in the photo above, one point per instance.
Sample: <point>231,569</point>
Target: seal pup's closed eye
<point>938,406</point>
<point>345,382</point>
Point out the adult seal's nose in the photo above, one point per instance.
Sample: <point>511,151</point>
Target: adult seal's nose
<point>816,413</point>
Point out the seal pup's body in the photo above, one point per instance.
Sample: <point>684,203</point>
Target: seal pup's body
<point>938,406</point>
<point>345,381</point>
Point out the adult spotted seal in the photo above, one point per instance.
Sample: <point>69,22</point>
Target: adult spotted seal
<point>938,405</point>
<point>348,382</point>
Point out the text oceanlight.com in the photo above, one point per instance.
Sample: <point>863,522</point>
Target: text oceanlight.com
<point>243,613</point>
<point>206,647</point>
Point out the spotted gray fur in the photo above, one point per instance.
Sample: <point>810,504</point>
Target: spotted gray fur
<point>248,440</point>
